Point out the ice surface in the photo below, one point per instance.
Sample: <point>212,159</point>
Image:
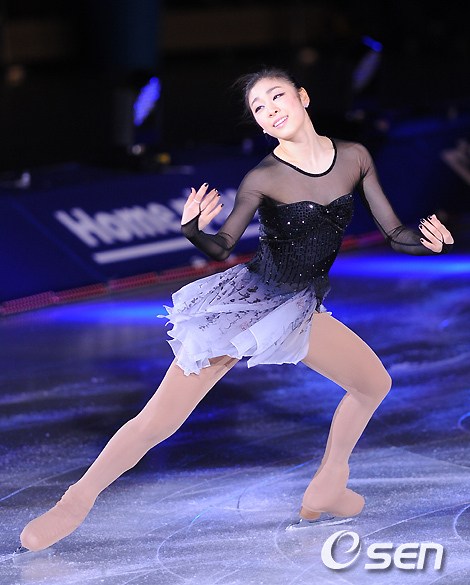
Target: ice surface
<point>211,505</point>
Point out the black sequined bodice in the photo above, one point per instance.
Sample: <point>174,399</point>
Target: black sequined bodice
<point>300,238</point>
<point>299,242</point>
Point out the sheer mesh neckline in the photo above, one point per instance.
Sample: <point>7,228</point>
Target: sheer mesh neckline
<point>330,168</point>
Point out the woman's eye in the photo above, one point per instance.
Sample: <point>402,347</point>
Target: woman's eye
<point>257,109</point>
<point>278,95</point>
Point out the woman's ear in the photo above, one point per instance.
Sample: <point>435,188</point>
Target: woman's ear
<point>304,97</point>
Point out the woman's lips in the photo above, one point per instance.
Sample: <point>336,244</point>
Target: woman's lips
<point>280,122</point>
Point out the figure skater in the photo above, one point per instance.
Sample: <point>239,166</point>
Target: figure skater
<point>269,309</point>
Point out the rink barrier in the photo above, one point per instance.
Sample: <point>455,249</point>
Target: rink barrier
<point>71,226</point>
<point>173,275</point>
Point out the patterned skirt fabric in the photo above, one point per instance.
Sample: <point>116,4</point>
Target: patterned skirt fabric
<point>235,313</point>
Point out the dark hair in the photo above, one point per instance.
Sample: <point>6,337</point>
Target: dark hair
<point>245,83</point>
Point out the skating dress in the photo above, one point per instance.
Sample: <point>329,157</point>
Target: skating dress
<point>262,309</point>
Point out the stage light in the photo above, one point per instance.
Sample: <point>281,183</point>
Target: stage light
<point>368,65</point>
<point>146,100</point>
<point>372,44</point>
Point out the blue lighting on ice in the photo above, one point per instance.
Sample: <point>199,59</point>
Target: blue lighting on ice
<point>382,266</point>
<point>377,266</point>
<point>130,311</point>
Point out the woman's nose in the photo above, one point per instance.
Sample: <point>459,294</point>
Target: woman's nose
<point>272,110</point>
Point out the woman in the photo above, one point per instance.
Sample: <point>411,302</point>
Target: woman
<point>271,308</point>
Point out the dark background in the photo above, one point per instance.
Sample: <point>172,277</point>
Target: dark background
<point>63,63</point>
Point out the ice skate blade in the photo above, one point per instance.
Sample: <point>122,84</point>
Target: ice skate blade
<point>23,554</point>
<point>325,521</point>
<point>21,550</point>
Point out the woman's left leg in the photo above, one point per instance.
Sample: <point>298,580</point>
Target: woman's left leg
<point>342,356</point>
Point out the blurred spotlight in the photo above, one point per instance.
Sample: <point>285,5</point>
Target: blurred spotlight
<point>368,65</point>
<point>372,44</point>
<point>137,122</point>
<point>307,56</point>
<point>15,75</point>
<point>146,101</point>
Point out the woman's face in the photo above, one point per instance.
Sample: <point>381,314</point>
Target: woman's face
<point>278,107</point>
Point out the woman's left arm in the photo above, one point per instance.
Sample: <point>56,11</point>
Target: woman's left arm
<point>432,238</point>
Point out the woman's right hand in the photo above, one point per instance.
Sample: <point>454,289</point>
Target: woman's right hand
<point>435,233</point>
<point>202,201</point>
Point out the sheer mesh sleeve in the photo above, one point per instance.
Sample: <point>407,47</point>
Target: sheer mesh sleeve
<point>401,238</point>
<point>219,246</point>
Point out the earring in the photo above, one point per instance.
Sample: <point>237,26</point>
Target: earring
<point>264,131</point>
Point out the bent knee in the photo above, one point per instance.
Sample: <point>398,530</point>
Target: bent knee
<point>380,383</point>
<point>374,382</point>
<point>386,383</point>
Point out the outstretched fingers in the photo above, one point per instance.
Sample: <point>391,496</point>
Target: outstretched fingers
<point>210,207</point>
<point>435,234</point>
<point>448,239</point>
<point>192,207</point>
<point>199,195</point>
<point>209,199</point>
<point>202,197</point>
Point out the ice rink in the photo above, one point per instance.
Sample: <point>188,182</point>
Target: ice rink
<point>217,503</point>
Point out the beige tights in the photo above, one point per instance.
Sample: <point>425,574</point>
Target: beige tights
<point>334,351</point>
<point>340,355</point>
<point>169,407</point>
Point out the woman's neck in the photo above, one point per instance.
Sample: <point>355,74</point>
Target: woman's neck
<point>308,151</point>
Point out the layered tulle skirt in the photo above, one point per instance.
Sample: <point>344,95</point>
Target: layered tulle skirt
<point>235,313</point>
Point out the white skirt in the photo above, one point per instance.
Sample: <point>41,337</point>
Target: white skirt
<point>235,313</point>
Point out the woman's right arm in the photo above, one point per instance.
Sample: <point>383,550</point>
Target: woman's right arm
<point>206,205</point>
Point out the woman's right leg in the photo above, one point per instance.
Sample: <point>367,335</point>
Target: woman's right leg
<point>169,407</point>
<point>342,356</point>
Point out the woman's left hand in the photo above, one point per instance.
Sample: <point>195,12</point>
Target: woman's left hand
<point>435,234</point>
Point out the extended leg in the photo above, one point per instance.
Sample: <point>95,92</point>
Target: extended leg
<point>165,412</point>
<point>340,355</point>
